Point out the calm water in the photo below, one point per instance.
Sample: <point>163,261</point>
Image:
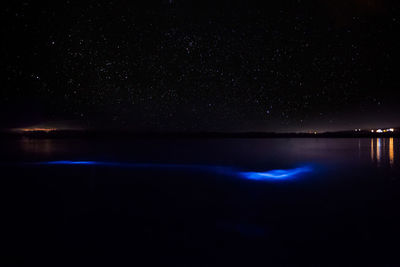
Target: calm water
<point>201,201</point>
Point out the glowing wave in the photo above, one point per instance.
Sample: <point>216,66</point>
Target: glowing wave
<point>69,162</point>
<point>260,176</point>
<point>276,174</point>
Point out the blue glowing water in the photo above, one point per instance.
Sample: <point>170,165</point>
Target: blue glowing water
<point>253,196</point>
<point>278,174</point>
<point>70,162</point>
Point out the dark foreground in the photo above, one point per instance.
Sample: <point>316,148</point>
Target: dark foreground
<point>345,210</point>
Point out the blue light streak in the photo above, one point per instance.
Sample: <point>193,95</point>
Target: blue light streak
<point>69,162</point>
<point>276,174</point>
<point>258,176</point>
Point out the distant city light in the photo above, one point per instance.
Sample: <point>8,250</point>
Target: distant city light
<point>38,129</point>
<point>383,130</point>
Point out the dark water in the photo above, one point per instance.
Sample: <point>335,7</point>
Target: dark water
<point>222,202</point>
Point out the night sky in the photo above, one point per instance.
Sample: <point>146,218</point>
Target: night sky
<point>200,65</point>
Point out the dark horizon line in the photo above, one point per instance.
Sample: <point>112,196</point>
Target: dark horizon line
<point>198,134</point>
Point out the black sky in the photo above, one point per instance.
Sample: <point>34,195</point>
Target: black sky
<point>201,65</point>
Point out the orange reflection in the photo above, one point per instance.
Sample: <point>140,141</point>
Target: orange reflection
<point>391,151</point>
<point>378,150</point>
<point>37,146</point>
<point>372,150</point>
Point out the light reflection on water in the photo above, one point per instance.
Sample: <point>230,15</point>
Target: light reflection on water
<point>37,146</point>
<point>391,151</point>
<point>383,151</point>
<point>372,150</point>
<point>378,150</point>
<point>262,154</point>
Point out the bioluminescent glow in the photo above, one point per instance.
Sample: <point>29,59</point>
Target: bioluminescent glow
<point>261,176</point>
<point>130,164</point>
<point>276,174</point>
<point>215,169</point>
<point>69,162</point>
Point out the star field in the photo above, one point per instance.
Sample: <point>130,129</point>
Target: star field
<point>185,66</point>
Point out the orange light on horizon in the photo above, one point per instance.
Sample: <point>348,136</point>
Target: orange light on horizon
<point>38,129</point>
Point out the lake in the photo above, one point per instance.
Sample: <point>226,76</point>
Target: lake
<point>200,201</point>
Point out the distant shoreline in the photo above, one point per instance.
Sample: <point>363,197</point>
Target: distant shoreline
<point>190,135</point>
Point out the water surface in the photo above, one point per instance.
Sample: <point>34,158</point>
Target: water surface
<point>201,201</point>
